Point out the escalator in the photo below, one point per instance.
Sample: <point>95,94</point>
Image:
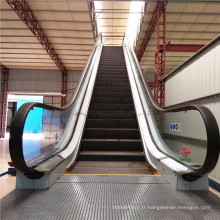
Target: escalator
<point>114,126</point>
<point>111,142</point>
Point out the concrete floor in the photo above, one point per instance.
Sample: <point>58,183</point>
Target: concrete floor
<point>7,182</point>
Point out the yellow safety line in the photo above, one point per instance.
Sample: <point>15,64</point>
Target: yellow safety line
<point>111,161</point>
<point>71,168</point>
<point>143,168</point>
<point>111,174</point>
<point>148,167</point>
<point>151,169</point>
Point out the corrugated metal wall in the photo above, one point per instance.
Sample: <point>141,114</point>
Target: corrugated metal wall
<point>148,77</point>
<point>199,78</point>
<point>34,80</point>
<point>53,100</point>
<point>42,81</point>
<point>73,79</point>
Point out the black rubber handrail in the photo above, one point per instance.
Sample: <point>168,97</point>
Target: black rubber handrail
<point>212,131</point>
<point>16,134</point>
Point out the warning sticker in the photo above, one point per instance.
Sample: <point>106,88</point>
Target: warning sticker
<point>175,126</point>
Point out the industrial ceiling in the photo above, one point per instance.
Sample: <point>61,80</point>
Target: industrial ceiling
<point>67,25</point>
<point>72,26</point>
<point>193,23</point>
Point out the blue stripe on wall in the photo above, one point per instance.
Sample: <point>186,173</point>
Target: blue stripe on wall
<point>33,122</point>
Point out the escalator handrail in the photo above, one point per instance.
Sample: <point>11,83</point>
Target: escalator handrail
<point>17,126</point>
<point>212,130</point>
<point>16,134</point>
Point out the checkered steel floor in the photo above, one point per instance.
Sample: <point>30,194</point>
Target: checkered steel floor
<point>110,197</point>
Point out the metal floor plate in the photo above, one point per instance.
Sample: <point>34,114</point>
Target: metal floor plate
<point>113,179</point>
<point>109,200</point>
<point>99,170</point>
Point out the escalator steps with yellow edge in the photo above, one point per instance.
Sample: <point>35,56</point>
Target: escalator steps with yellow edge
<point>105,167</point>
<point>111,143</point>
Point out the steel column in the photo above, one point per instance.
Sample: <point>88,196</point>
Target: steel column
<point>151,27</point>
<point>23,10</point>
<point>160,55</point>
<point>4,99</point>
<point>64,88</point>
<point>183,47</point>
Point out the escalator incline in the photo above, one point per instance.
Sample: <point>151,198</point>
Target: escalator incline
<point>111,143</point>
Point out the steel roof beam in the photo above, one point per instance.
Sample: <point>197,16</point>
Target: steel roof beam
<point>154,38</point>
<point>190,32</point>
<point>101,11</point>
<point>27,48</point>
<point>22,9</point>
<point>47,29</point>
<point>20,42</point>
<point>117,11</point>
<point>38,58</point>
<point>44,41</point>
<point>51,21</point>
<point>113,26</point>
<point>185,23</point>
<point>188,13</point>
<point>183,47</point>
<point>92,18</point>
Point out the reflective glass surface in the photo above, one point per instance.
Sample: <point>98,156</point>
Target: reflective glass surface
<point>52,129</point>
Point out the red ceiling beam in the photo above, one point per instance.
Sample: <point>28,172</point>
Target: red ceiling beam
<point>4,99</point>
<point>150,30</point>
<point>183,47</point>
<point>160,55</point>
<point>26,14</point>
<point>23,10</point>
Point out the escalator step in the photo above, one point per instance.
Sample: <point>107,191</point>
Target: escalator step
<point>111,144</point>
<point>113,77</point>
<point>115,73</point>
<point>111,107</point>
<point>109,89</point>
<point>113,80</point>
<point>111,156</point>
<point>112,114</point>
<point>110,100</point>
<point>111,84</point>
<point>111,133</point>
<point>111,123</point>
<point>112,94</point>
<point>111,164</point>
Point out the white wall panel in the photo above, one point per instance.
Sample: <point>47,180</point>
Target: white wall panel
<point>196,79</point>
<point>42,81</point>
